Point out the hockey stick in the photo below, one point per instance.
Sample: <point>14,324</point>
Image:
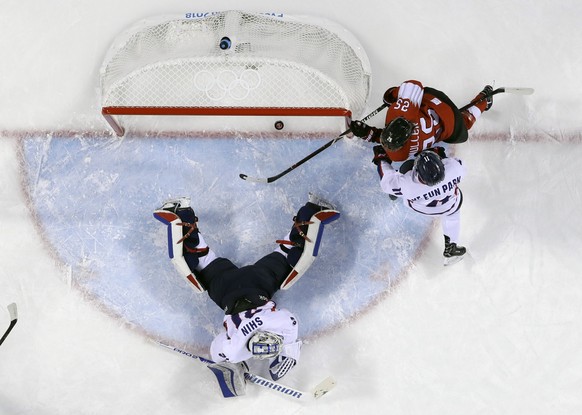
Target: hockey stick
<point>321,389</point>
<point>13,319</point>
<point>309,156</point>
<point>509,90</point>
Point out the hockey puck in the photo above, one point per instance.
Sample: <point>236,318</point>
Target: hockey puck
<point>279,125</point>
<point>225,43</point>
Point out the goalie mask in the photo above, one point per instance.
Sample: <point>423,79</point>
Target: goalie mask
<point>265,344</point>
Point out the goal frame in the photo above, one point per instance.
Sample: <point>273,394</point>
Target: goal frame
<point>354,97</point>
<point>110,112</point>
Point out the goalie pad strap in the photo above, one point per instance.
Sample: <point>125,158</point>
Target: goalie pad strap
<point>175,247</point>
<point>312,243</point>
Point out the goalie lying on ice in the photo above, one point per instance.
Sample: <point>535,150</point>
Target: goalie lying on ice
<point>255,326</point>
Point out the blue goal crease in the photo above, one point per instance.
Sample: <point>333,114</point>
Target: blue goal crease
<point>98,220</point>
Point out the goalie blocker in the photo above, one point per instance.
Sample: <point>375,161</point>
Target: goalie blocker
<point>254,326</point>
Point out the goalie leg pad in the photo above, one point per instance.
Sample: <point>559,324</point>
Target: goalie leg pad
<point>310,248</point>
<point>302,219</point>
<point>179,239</point>
<point>230,377</point>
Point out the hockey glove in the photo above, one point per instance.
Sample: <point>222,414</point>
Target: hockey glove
<point>484,99</point>
<point>230,377</point>
<point>280,366</point>
<point>390,96</point>
<point>380,155</point>
<point>360,129</point>
<point>439,150</point>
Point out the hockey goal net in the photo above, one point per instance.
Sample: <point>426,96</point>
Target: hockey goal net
<point>234,63</point>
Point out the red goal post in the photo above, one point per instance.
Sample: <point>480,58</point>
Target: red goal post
<point>234,63</point>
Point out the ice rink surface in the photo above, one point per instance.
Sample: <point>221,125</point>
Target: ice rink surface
<point>498,333</point>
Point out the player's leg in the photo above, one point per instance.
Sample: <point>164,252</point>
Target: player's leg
<point>451,225</point>
<point>186,247</point>
<point>293,244</point>
<point>301,245</point>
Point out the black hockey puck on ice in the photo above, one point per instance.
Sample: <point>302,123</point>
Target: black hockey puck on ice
<point>279,125</point>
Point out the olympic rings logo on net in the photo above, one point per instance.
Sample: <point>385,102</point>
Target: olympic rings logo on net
<point>216,86</point>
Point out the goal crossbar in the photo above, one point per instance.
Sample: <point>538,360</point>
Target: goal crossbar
<point>109,112</point>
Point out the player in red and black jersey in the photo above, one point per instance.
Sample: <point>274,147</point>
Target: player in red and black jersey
<point>418,117</point>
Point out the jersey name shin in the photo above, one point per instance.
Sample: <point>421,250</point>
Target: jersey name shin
<point>251,326</point>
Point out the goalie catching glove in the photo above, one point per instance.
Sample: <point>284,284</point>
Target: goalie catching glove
<point>230,377</point>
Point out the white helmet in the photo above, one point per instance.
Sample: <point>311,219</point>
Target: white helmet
<point>265,344</point>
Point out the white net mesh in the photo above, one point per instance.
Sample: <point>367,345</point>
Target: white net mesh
<point>272,62</point>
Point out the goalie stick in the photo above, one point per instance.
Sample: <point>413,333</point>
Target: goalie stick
<point>321,389</point>
<point>509,90</point>
<point>13,319</point>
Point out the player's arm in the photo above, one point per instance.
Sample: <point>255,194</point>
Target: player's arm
<point>438,150</point>
<point>389,178</point>
<point>229,371</point>
<point>365,132</point>
<point>233,349</point>
<point>410,93</point>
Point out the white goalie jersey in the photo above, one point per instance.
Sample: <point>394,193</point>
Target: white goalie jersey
<point>441,199</point>
<point>232,345</point>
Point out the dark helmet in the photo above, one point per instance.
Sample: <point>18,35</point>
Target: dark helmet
<point>396,133</point>
<point>429,168</point>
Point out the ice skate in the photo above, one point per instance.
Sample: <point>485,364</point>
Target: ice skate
<point>178,208</point>
<point>320,202</point>
<point>172,205</point>
<point>305,236</point>
<point>453,253</point>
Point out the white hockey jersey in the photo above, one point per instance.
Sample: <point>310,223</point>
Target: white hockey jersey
<point>441,199</point>
<point>232,345</point>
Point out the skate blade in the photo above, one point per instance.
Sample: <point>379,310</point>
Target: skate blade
<point>320,201</point>
<point>453,260</point>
